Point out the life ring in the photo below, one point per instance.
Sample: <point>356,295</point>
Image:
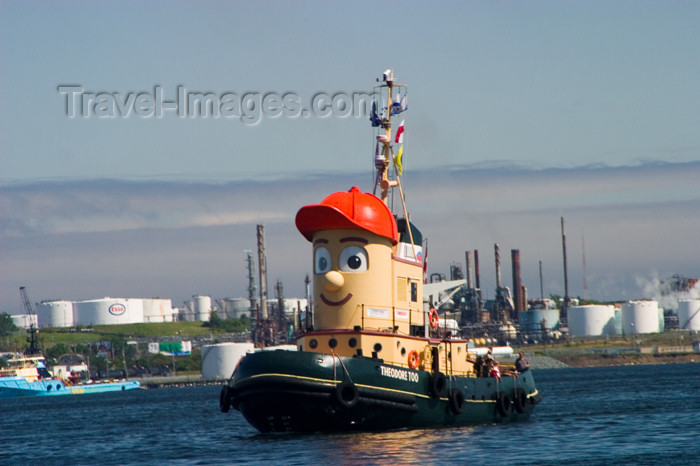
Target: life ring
<point>520,400</point>
<point>347,394</point>
<point>438,383</point>
<point>434,318</point>
<point>224,399</point>
<point>456,400</point>
<point>503,404</point>
<point>413,359</point>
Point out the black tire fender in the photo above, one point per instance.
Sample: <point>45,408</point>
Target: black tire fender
<point>503,404</point>
<point>225,399</point>
<point>347,394</point>
<point>438,384</point>
<point>457,401</point>
<point>520,400</point>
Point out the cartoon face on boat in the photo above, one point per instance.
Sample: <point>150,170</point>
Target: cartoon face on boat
<point>353,236</point>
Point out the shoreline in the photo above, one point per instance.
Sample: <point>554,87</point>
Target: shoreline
<point>538,362</point>
<point>602,360</point>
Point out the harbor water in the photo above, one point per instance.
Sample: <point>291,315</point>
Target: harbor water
<point>607,415</point>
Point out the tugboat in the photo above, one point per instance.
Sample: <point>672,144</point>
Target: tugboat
<point>373,358</point>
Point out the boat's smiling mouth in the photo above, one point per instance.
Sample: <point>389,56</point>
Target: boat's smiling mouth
<point>336,303</point>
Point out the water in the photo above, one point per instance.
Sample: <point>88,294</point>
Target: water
<point>608,415</point>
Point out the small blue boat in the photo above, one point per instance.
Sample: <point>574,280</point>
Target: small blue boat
<point>28,376</point>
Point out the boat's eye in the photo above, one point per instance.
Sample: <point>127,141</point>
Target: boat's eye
<point>353,259</point>
<point>322,260</point>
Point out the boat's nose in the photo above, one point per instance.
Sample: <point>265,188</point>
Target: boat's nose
<point>333,280</point>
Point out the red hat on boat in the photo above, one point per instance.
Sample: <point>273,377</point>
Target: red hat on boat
<point>352,210</point>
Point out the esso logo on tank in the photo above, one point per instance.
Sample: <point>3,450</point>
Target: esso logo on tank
<point>117,309</point>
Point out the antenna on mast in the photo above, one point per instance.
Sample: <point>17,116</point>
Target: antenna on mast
<point>381,118</point>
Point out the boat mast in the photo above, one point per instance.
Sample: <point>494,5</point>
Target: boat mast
<point>382,163</point>
<point>382,160</point>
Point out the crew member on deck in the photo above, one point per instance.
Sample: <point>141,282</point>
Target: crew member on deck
<point>522,364</point>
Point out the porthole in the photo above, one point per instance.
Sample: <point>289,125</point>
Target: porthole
<point>332,342</point>
<point>313,344</point>
<point>403,351</point>
<point>352,342</point>
<point>377,347</point>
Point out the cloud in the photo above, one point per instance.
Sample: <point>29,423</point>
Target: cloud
<point>112,205</point>
<point>90,238</point>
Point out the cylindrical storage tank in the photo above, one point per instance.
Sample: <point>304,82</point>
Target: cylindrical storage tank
<point>525,321</point>
<point>134,311</point>
<point>233,308</point>
<point>202,308</point>
<point>55,314</point>
<point>151,311</point>
<point>167,310</point>
<point>531,320</point>
<point>239,308</point>
<point>25,321</point>
<point>591,320</point>
<point>618,320</point>
<point>640,317</point>
<point>108,311</point>
<point>219,361</point>
<point>293,305</point>
<point>186,313</point>
<point>688,314</point>
<point>157,310</point>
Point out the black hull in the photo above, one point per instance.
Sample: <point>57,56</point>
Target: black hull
<point>282,391</point>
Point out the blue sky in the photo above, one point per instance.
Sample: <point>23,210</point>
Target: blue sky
<point>587,110</point>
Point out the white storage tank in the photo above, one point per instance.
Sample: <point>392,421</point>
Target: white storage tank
<point>186,313</point>
<point>219,361</point>
<point>532,320</point>
<point>591,320</point>
<point>134,311</point>
<point>57,313</point>
<point>292,306</point>
<point>202,308</point>
<point>108,311</point>
<point>24,320</point>
<point>689,314</point>
<point>157,310</point>
<point>641,317</point>
<point>234,308</point>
